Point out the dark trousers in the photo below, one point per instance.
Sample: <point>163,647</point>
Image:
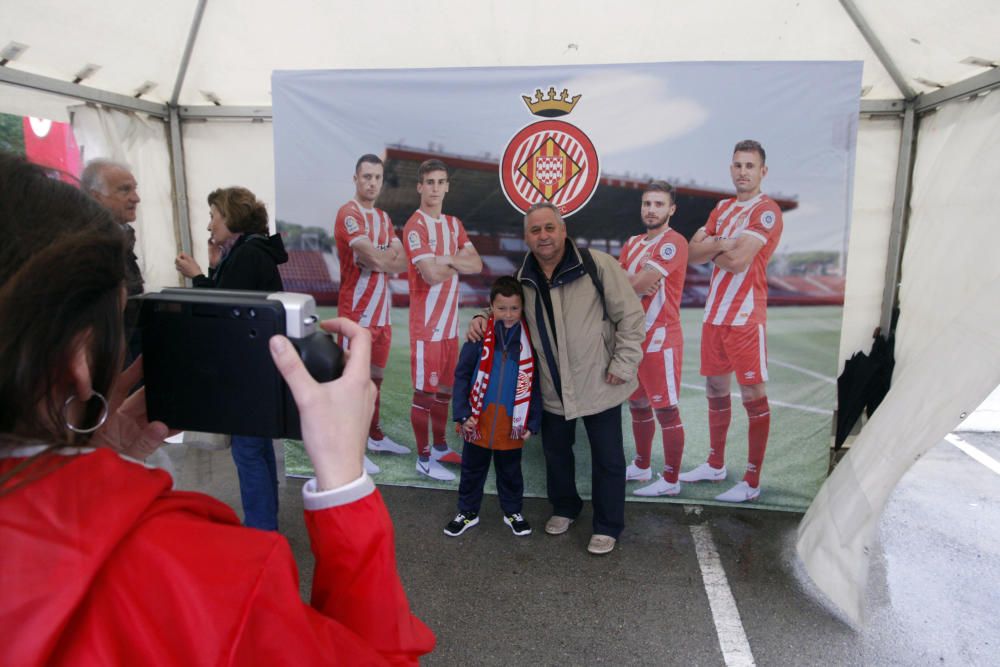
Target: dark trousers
<point>475,467</point>
<point>257,468</point>
<point>607,454</point>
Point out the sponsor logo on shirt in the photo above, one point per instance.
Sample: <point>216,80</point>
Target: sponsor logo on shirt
<point>767,219</point>
<point>352,225</point>
<point>668,251</point>
<point>413,239</point>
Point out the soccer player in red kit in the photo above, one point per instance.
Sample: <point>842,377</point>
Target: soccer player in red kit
<point>656,264</point>
<point>739,239</point>
<point>438,250</point>
<point>369,252</point>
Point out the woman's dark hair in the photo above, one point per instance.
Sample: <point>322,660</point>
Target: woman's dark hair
<point>506,286</point>
<point>244,213</point>
<point>62,268</point>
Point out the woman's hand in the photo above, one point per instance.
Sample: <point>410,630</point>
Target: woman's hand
<point>128,430</point>
<point>214,254</point>
<point>186,265</point>
<point>335,415</point>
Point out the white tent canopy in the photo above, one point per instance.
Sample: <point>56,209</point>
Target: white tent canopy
<point>181,91</point>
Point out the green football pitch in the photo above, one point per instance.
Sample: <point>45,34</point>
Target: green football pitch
<point>802,351</point>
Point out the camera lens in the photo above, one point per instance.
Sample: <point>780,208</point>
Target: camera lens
<point>236,312</point>
<point>252,313</point>
<point>253,333</point>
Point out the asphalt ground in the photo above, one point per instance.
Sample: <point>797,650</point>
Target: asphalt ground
<point>661,596</point>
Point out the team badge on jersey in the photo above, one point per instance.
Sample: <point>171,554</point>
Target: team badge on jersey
<point>667,251</point>
<point>352,225</point>
<point>550,160</point>
<point>767,219</point>
<point>414,240</point>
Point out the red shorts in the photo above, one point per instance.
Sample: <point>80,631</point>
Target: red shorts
<point>740,350</point>
<point>432,364</point>
<point>381,343</point>
<point>660,368</point>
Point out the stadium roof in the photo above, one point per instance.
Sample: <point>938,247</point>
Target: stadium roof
<point>474,196</point>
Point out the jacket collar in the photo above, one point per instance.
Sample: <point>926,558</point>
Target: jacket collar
<point>570,268</point>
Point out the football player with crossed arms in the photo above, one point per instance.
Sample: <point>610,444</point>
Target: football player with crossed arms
<point>656,264</point>
<point>438,250</point>
<point>739,239</point>
<point>369,252</point>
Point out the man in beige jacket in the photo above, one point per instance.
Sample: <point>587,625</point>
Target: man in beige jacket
<point>587,329</point>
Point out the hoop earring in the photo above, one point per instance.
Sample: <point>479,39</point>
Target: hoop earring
<point>100,420</point>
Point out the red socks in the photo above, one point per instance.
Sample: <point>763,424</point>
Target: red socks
<point>673,441</point>
<point>759,418</point>
<point>439,417</point>
<point>643,430</point>
<point>719,415</point>
<point>420,417</point>
<point>375,431</point>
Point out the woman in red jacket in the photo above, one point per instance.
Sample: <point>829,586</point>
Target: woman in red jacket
<point>102,563</point>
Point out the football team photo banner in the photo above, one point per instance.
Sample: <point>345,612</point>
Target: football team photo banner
<point>589,140</point>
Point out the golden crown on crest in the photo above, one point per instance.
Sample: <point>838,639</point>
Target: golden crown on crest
<point>552,106</point>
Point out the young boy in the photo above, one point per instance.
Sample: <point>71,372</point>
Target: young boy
<point>498,403</point>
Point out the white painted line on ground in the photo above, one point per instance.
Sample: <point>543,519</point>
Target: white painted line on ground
<point>804,371</point>
<point>728,626</point>
<point>976,453</point>
<point>803,408</point>
<point>772,401</point>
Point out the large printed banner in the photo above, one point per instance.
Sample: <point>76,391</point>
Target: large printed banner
<point>589,139</point>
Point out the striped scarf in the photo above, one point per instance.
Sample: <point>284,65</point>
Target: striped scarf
<point>525,373</point>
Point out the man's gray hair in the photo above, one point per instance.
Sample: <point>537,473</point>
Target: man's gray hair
<point>539,205</point>
<point>92,178</point>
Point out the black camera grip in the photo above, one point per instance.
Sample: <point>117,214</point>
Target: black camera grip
<point>322,357</point>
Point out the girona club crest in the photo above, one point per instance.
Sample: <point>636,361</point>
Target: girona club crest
<point>550,160</point>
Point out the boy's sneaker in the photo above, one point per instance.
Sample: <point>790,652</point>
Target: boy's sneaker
<point>434,470</point>
<point>387,445</point>
<point>703,473</point>
<point>371,468</point>
<point>517,524</point>
<point>636,474</point>
<point>446,455</point>
<point>461,523</point>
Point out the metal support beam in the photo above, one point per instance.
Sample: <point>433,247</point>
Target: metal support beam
<point>974,85</point>
<point>882,107</point>
<point>87,94</point>
<point>900,214</point>
<point>211,112</point>
<point>186,58</point>
<point>182,220</point>
<point>876,45</point>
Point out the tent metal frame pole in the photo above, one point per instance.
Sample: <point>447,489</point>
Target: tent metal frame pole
<point>199,12</point>
<point>178,170</point>
<point>900,214</point>
<point>180,181</point>
<point>876,45</point>
<point>975,85</point>
<point>47,84</point>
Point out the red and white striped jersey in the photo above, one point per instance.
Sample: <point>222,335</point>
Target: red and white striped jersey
<point>738,299</point>
<point>433,308</point>
<point>364,294</point>
<point>667,254</point>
